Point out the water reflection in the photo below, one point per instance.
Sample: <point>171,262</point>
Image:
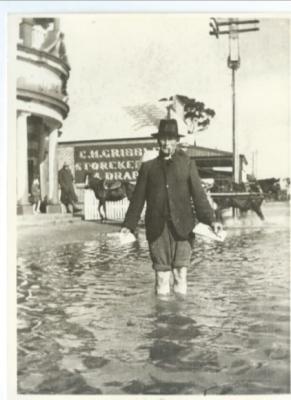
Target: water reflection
<point>89,323</point>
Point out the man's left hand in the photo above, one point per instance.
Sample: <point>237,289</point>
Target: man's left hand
<point>216,227</point>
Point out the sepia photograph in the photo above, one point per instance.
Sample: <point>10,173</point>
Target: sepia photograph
<point>150,157</point>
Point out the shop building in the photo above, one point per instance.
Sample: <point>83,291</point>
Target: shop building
<point>120,159</point>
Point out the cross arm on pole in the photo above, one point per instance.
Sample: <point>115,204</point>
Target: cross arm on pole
<point>248,30</point>
<point>233,25</point>
<point>237,22</point>
<point>218,33</point>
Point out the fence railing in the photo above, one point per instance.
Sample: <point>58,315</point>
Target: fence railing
<point>115,210</point>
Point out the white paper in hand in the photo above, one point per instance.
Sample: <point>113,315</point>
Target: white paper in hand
<point>205,231</point>
<point>123,238</point>
<point>126,238</point>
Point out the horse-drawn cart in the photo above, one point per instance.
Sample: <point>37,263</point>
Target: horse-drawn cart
<point>243,201</point>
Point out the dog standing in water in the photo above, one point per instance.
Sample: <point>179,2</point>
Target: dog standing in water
<point>167,183</point>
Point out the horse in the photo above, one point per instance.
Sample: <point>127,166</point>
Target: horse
<point>108,191</point>
<point>244,204</point>
<point>270,187</point>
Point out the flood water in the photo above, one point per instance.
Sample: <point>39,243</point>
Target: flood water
<point>89,322</point>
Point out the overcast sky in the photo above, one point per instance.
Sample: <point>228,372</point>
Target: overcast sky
<point>120,62</point>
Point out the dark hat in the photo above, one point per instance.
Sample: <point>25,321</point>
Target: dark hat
<point>168,128</point>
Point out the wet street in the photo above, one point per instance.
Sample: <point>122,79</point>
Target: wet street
<point>89,323</point>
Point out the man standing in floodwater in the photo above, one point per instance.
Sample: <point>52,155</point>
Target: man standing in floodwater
<point>68,195</point>
<point>167,183</point>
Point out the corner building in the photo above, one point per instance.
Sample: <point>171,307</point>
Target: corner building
<point>42,105</point>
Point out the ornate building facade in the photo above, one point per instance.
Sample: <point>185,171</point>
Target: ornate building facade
<point>42,105</point>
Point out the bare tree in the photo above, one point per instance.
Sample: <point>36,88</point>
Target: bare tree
<point>144,115</point>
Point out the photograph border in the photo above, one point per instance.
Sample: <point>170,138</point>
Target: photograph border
<point>7,152</point>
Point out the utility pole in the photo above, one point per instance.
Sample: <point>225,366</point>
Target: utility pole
<point>253,163</point>
<point>233,27</point>
<point>256,163</point>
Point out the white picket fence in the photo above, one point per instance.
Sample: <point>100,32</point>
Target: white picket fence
<point>115,210</point>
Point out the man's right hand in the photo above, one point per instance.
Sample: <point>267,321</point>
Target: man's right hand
<point>125,231</point>
<point>216,227</point>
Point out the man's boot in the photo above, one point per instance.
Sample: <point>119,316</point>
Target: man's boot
<point>180,280</point>
<point>163,282</point>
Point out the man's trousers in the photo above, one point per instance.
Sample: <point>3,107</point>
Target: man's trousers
<point>168,251</point>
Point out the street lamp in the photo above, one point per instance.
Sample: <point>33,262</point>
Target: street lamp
<point>232,27</point>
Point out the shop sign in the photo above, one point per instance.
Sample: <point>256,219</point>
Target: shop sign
<point>112,162</point>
